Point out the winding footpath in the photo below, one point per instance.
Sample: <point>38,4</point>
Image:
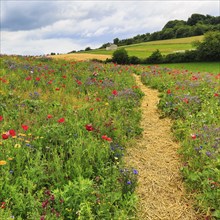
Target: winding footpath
<point>154,155</point>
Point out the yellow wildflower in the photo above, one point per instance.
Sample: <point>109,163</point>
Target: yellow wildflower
<point>2,162</point>
<point>17,145</point>
<point>10,158</point>
<point>22,135</point>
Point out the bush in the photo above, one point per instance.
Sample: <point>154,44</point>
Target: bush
<point>120,56</point>
<point>155,57</point>
<point>209,49</point>
<point>134,60</point>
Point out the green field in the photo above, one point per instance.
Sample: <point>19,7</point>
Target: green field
<point>144,50</point>
<point>211,67</point>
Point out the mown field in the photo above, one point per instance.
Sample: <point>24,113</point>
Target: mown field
<point>144,50</point>
<point>64,130</point>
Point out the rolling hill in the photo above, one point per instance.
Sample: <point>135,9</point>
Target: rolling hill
<point>143,50</point>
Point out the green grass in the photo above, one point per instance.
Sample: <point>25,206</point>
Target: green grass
<point>211,67</point>
<point>144,50</point>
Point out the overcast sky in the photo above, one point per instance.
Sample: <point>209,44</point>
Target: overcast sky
<point>40,27</point>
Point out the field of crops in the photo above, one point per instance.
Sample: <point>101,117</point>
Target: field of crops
<point>192,99</point>
<point>64,129</point>
<point>144,50</point>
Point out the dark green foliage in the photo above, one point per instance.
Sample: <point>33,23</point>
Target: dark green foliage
<point>209,49</point>
<point>134,60</point>
<point>120,56</point>
<point>155,57</point>
<point>196,25</point>
<point>88,48</point>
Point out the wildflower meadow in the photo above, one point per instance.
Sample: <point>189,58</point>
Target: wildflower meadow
<point>64,129</point>
<point>192,100</point>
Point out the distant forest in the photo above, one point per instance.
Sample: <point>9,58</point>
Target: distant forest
<point>196,25</point>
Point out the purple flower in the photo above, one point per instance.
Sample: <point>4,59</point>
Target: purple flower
<point>135,171</point>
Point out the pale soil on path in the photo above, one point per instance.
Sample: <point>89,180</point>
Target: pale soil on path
<point>160,188</point>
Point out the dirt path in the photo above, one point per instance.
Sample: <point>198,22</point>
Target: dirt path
<point>160,188</point>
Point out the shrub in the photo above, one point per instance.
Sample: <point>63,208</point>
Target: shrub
<point>134,60</point>
<point>155,57</point>
<point>120,56</point>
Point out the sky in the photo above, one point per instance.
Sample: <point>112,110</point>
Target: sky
<point>38,27</point>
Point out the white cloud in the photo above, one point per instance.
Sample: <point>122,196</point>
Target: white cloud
<point>61,26</point>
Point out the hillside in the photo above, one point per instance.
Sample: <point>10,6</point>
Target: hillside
<point>143,50</point>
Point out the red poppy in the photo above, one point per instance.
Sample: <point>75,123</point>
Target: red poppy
<point>105,137</point>
<point>89,127</point>
<point>3,205</point>
<point>38,78</point>
<point>114,92</point>
<point>57,89</point>
<point>79,82</point>
<point>1,118</point>
<point>49,116</point>
<point>186,100</point>
<point>5,136</point>
<point>12,132</point>
<point>168,91</point>
<point>193,136</point>
<point>61,120</point>
<point>28,78</point>
<point>216,94</point>
<point>25,127</point>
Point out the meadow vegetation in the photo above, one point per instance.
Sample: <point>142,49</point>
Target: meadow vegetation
<point>192,100</point>
<point>65,126</point>
<point>64,130</point>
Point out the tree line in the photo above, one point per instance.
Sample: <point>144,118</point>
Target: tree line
<point>196,25</point>
<point>207,50</point>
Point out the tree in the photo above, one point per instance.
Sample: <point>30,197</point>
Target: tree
<point>120,56</point>
<point>88,48</point>
<point>116,41</point>
<point>195,18</point>
<point>155,57</point>
<point>209,49</point>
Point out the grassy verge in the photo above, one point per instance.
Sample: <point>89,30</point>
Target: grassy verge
<point>208,67</point>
